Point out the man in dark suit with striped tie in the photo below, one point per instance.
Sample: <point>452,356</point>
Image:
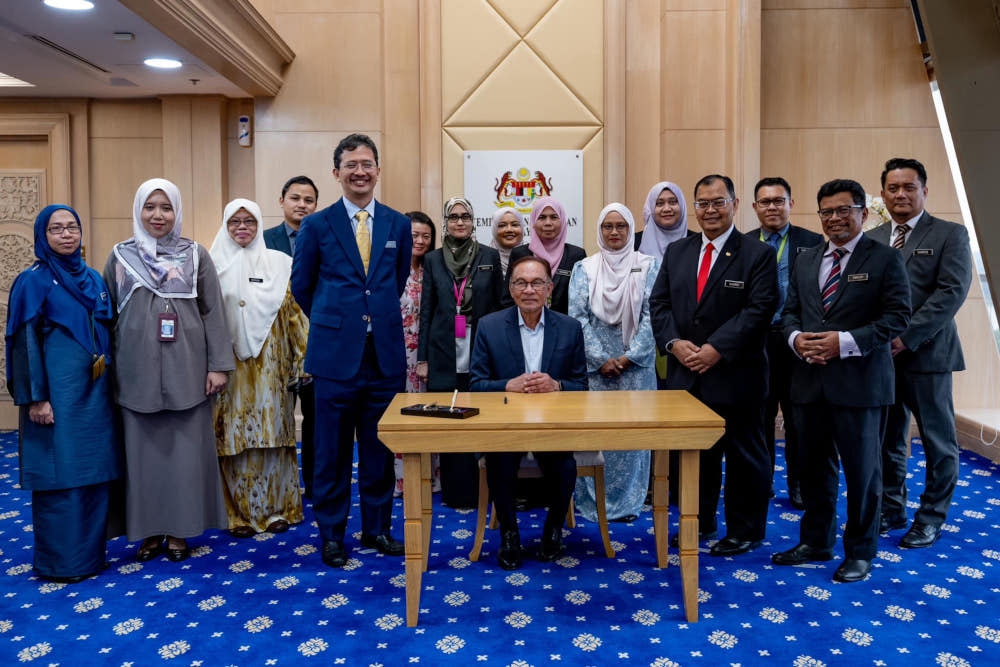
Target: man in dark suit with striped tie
<point>846,300</point>
<point>299,197</point>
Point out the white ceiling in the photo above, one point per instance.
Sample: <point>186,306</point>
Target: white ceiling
<point>89,35</point>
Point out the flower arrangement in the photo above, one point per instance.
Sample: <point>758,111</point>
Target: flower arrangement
<point>877,212</point>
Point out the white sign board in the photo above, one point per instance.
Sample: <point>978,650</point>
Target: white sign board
<point>514,179</point>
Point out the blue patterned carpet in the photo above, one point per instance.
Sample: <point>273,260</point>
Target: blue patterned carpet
<point>270,601</point>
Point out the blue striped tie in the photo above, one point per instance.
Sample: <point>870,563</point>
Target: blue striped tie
<point>833,280</point>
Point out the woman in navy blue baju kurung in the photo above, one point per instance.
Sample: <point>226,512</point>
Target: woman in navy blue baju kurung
<point>58,353</point>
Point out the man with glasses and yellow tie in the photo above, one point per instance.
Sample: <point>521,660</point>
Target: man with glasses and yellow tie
<point>711,308</point>
<point>773,205</point>
<point>939,266</point>
<point>846,300</point>
<point>350,267</point>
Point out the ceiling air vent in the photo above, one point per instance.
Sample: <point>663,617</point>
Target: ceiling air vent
<point>67,53</point>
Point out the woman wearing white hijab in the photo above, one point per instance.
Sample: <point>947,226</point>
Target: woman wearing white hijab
<point>173,353</point>
<point>609,296</point>
<point>254,418</point>
<point>508,231</point>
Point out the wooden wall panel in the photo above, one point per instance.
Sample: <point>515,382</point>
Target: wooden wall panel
<point>695,82</point>
<point>646,91</point>
<point>125,118</point>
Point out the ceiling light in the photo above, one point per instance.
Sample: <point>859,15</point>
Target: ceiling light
<point>75,5</point>
<point>7,81</point>
<point>162,63</point>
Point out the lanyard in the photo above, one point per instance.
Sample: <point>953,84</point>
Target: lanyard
<point>459,291</point>
<point>781,247</point>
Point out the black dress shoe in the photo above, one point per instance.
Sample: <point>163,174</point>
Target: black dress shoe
<point>888,523</point>
<point>384,544</point>
<point>334,553</point>
<point>552,546</point>
<point>732,546</point>
<point>176,555</point>
<point>852,569</point>
<point>801,553</point>
<point>150,548</point>
<point>703,536</point>
<point>920,535</point>
<point>509,556</point>
<point>67,580</point>
<point>795,497</point>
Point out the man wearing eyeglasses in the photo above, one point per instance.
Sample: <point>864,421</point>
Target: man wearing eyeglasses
<point>532,350</point>
<point>350,266</point>
<point>773,205</point>
<point>939,266</point>
<point>711,308</point>
<point>846,300</point>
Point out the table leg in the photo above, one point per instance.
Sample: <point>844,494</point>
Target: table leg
<point>413,532</point>
<point>661,508</point>
<point>426,502</point>
<point>688,479</point>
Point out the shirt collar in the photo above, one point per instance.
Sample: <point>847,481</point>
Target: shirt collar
<point>289,230</point>
<point>352,208</point>
<point>911,223</point>
<point>719,240</point>
<point>783,232</point>
<point>520,321</point>
<point>849,246</point>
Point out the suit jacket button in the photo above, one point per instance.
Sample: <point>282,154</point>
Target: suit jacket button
<point>368,292</point>
<point>364,317</point>
<point>242,303</point>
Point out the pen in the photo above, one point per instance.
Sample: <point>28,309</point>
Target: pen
<point>454,397</point>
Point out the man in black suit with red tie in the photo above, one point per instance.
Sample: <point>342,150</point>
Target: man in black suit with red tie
<point>773,205</point>
<point>846,300</point>
<point>711,309</point>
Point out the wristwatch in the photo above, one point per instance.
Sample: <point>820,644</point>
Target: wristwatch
<point>670,346</point>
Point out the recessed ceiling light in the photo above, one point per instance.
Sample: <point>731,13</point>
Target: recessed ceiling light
<point>162,63</point>
<point>75,5</point>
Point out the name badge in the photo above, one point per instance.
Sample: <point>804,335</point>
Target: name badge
<point>562,272</point>
<point>857,277</point>
<point>927,252</point>
<point>390,244</point>
<point>168,327</point>
<point>485,267</point>
<point>257,280</point>
<point>800,249</point>
<point>636,269</point>
<point>735,284</point>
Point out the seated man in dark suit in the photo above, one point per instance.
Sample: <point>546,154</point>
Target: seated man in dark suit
<point>529,349</point>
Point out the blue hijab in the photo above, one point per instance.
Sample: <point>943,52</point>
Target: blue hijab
<point>83,294</point>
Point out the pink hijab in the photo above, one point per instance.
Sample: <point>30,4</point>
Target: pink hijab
<point>550,251</point>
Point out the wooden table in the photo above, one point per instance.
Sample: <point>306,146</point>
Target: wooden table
<point>562,421</point>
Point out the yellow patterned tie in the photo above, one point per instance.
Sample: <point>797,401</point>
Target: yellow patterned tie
<point>364,238</point>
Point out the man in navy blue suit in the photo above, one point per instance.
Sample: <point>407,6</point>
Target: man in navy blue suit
<point>350,267</point>
<point>533,350</point>
<point>298,199</point>
<point>711,308</point>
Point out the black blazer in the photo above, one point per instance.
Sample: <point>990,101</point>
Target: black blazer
<point>872,303</point>
<point>560,277</point>
<point>734,315</point>
<point>436,344</point>
<point>275,238</point>
<point>799,239</point>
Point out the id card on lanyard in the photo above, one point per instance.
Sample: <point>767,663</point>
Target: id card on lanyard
<point>167,324</point>
<point>461,330</point>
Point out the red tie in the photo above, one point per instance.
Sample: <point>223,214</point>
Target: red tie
<point>706,265</point>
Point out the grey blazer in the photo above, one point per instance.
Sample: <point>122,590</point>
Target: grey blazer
<point>939,265</point>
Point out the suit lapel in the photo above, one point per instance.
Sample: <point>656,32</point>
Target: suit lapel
<point>340,226</point>
<point>856,262</point>
<point>380,236</point>
<point>925,225</point>
<point>514,339</point>
<point>549,336</point>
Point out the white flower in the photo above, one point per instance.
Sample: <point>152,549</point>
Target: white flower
<point>305,550</point>
<point>577,597</point>
<point>937,591</point>
<point>722,639</point>
<point>37,651</point>
<point>989,634</point>
<point>169,584</point>
<point>773,615</point>
<point>587,642</point>
<point>314,646</point>
<point>19,569</point>
<point>631,577</point>
<point>213,602</point>
<point>88,605</point>
<point>807,661</point>
<point>817,593</point>
<point>857,637</point>
<point>174,649</point>
<point>517,579</point>
<point>241,566</point>
<point>459,563</point>
<point>285,583</point>
<point>389,622</point>
<point>664,662</point>
<point>646,617</point>
<point>450,644</point>
<point>949,660</point>
<point>457,598</point>
<point>899,613</point>
<point>461,534</point>
<point>334,601</point>
<point>399,581</point>
<point>745,575</point>
<point>258,624</point>
<point>518,619</point>
<point>125,627</point>
<point>5,625</point>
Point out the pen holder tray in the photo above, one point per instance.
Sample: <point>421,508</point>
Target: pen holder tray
<point>432,410</point>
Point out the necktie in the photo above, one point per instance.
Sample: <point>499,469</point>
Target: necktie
<point>900,239</point>
<point>832,280</point>
<point>706,266</point>
<point>364,238</point>
<point>774,240</point>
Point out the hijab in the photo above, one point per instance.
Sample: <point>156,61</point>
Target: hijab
<point>617,278</point>
<point>254,282</point>
<point>655,239</point>
<point>167,266</point>
<point>83,294</point>
<point>459,253</point>
<point>494,243</point>
<point>550,251</point>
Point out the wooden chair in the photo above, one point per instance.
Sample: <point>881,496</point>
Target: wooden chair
<point>588,464</point>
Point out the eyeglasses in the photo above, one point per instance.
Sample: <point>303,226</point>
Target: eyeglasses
<point>58,230</point>
<point>455,217</point>
<point>236,223</point>
<point>777,202</point>
<point>365,166</point>
<point>841,211</point>
<point>714,203</point>
<point>537,285</point>
<point>614,226</point>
